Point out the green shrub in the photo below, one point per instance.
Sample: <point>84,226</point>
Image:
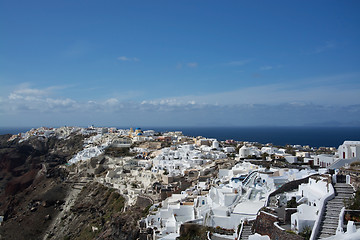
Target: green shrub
<point>145,212</point>
<point>306,232</point>
<point>354,202</point>
<point>292,203</point>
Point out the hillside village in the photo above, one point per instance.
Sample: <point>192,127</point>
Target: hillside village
<point>217,189</point>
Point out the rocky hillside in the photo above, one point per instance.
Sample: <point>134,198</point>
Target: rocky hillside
<point>99,213</point>
<point>39,201</point>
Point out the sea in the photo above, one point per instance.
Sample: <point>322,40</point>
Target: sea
<point>281,136</point>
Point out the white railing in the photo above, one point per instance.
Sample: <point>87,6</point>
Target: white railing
<point>240,231</point>
<point>340,228</point>
<point>208,235</point>
<point>276,224</point>
<point>248,178</point>
<point>330,195</point>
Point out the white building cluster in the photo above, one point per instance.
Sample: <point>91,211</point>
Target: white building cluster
<point>176,160</point>
<point>236,195</point>
<point>309,197</point>
<point>156,163</point>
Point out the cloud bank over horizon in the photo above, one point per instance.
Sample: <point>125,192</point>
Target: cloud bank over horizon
<point>271,105</point>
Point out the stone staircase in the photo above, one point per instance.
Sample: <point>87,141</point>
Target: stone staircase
<point>246,232</point>
<point>248,178</point>
<point>330,219</point>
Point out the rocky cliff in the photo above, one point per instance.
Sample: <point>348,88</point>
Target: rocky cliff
<point>40,200</point>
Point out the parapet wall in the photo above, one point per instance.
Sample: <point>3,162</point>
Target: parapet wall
<point>289,186</point>
<point>266,224</point>
<point>354,177</point>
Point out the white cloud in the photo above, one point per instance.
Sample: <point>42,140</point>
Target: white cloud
<point>323,48</point>
<point>26,98</point>
<point>123,58</point>
<point>112,101</point>
<point>192,64</point>
<point>59,104</point>
<point>265,68</point>
<point>321,90</point>
<point>179,66</point>
<point>78,49</point>
<point>173,111</point>
<point>189,64</point>
<point>269,67</point>
<point>239,63</point>
<point>295,102</point>
<point>169,102</point>
<point>30,91</point>
<point>128,59</point>
<point>328,45</point>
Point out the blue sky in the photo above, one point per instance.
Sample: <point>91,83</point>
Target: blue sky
<point>179,63</point>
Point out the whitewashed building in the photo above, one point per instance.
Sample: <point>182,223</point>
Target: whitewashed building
<point>309,196</point>
<point>349,149</point>
<point>324,160</point>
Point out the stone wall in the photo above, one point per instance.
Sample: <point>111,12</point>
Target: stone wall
<point>265,225</point>
<point>354,176</point>
<point>287,214</point>
<point>193,231</point>
<point>290,186</point>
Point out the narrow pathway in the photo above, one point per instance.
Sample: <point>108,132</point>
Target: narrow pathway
<point>246,232</point>
<point>76,187</point>
<point>148,198</point>
<point>333,207</point>
<point>248,178</point>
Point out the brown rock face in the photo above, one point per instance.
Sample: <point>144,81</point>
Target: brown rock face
<point>98,213</point>
<point>35,187</point>
<point>28,172</point>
